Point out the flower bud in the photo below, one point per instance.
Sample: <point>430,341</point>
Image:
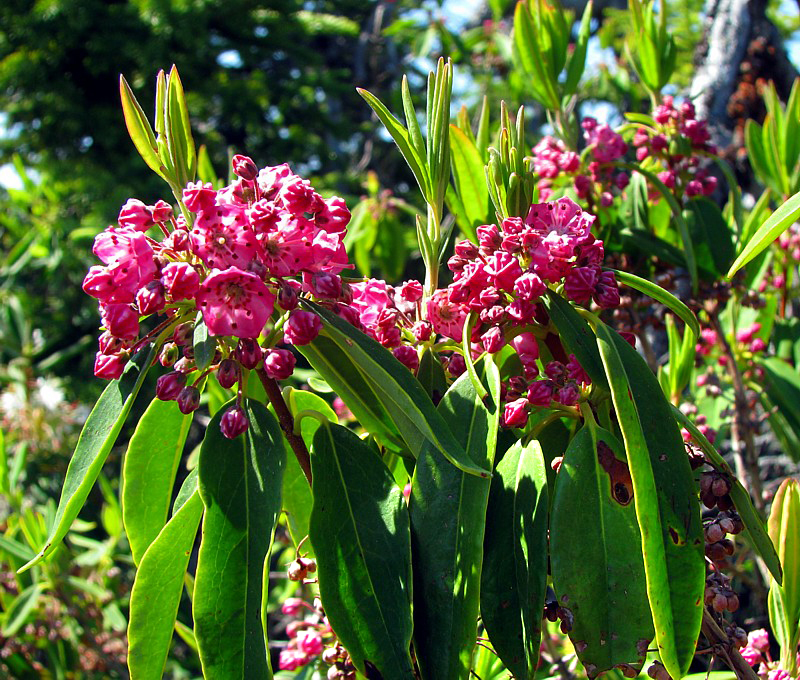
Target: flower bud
<point>135,215</point>
<point>183,334</point>
<point>287,297</point>
<point>296,571</point>
<point>181,280</point>
<point>169,386</point>
<point>150,299</point>
<point>110,366</point>
<point>162,211</point>
<point>244,167</point>
<point>228,373</point>
<point>248,352</point>
<point>234,422</point>
<point>302,327</point>
<point>188,399</point>
<point>279,363</point>
<point>168,355</point>
<point>407,356</point>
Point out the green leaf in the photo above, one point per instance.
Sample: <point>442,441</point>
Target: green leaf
<point>741,499</point>
<point>203,344</point>
<point>16,616</point>
<point>784,530</point>
<point>297,498</point>
<point>15,548</point>
<point>666,501</point>
<point>514,575</point>
<point>360,533</point>
<point>240,485</point>
<point>139,129</point>
<point>149,470</point>
<point>157,591</point>
<point>448,515</point>
<point>5,488</point>
<point>527,46</point>
<point>577,337</point>
<point>401,138</point>
<point>94,444</point>
<point>663,296</point>
<point>593,500</point>
<point>782,385</point>
<point>397,391</point>
<point>180,138</point>
<point>470,181</point>
<point>185,492</point>
<point>776,224</point>
<point>431,375</point>
<point>577,61</point>
<point>712,236</point>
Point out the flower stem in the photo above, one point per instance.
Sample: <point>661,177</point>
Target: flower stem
<point>286,422</point>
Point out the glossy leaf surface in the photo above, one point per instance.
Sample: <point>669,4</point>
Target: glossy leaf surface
<point>148,472</point>
<point>514,576</point>
<point>94,444</point>
<point>470,181</point>
<point>448,514</point>
<point>397,392</point>
<point>667,510</point>
<point>594,523</point>
<point>157,591</point>
<point>240,486</point>
<point>360,532</point>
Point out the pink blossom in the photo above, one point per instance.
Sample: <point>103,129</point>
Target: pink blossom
<point>579,284</point>
<point>751,655</point>
<point>608,146</point>
<point>279,363</point>
<point>120,320</point>
<point>199,197</point>
<point>333,216</point>
<point>135,215</point>
<point>292,606</point>
<point>235,302</point>
<point>526,346</point>
<point>606,293</point>
<point>758,639</point>
<point>301,327</point>
<point>221,238</point>
<point>493,340</point>
<point>407,356</point>
<point>310,642</point>
<point>576,372</point>
<point>292,659</point>
<point>181,280</point>
<point>540,393</point>
<point>244,167</point>
<point>129,257</point>
<point>150,299</point>
<point>447,317</point>
<point>162,211</point>
<point>515,413</point>
<point>169,385</point>
<point>110,366</point>
<point>778,674</point>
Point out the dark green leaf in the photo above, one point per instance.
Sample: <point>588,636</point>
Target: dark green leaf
<point>470,181</point>
<point>360,533</point>
<point>576,336</point>
<point>594,523</point>
<point>712,236</point>
<point>148,474</point>
<point>666,501</point>
<point>157,591</point>
<point>448,514</point>
<point>240,485</point>
<point>203,345</point>
<point>393,386</point>
<point>141,133</point>
<point>514,576</point>
<point>431,375</point>
<point>94,444</point>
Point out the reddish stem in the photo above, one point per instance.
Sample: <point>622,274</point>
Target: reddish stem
<point>286,422</point>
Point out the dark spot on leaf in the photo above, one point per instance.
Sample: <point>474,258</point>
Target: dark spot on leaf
<point>641,647</point>
<point>676,539</point>
<point>618,473</point>
<point>505,604</point>
<point>580,645</point>
<point>662,457</point>
<point>565,599</point>
<point>627,670</point>
<point>591,670</point>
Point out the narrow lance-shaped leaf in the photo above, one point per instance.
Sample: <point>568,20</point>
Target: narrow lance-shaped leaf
<point>139,129</point>
<point>360,533</point>
<point>667,509</point>
<point>775,225</point>
<point>448,515</point>
<point>398,392</point>
<point>470,180</point>
<point>94,444</point>
<point>594,500</point>
<point>157,590</point>
<point>240,485</point>
<point>660,295</point>
<point>148,472</point>
<point>514,576</point>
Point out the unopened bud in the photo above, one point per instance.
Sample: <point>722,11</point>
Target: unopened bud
<point>169,386</point>
<point>714,533</point>
<point>168,355</point>
<point>249,352</point>
<point>296,571</point>
<point>183,333</point>
<point>188,399</point>
<point>234,422</point>
<point>244,167</point>
<point>720,487</point>
<point>309,564</point>
<point>228,373</point>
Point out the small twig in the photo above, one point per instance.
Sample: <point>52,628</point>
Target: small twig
<point>286,422</point>
<point>725,649</point>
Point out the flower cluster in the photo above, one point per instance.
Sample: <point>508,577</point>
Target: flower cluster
<point>673,145</point>
<point>551,158</point>
<point>237,256</point>
<point>500,282</point>
<point>603,180</point>
<point>757,652</point>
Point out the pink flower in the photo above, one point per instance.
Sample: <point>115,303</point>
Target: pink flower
<point>447,317</point>
<point>515,413</point>
<point>150,299</point>
<point>333,216</point>
<point>199,197</point>
<point>110,366</point>
<point>579,284</point>
<point>608,145</point>
<point>606,293</point>
<point>751,655</point>
<point>310,642</point>
<point>169,385</point>
<point>758,639</point>
<point>778,674</point>
<point>576,372</point>
<point>120,320</point>
<point>221,238</point>
<point>493,340</point>
<point>540,393</point>
<point>244,167</point>
<point>129,257</point>
<point>180,280</point>
<point>135,215</point>
<point>292,606</point>
<point>235,302</point>
<point>301,327</point>
<point>279,363</point>
<point>407,356</point>
<point>292,659</point>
